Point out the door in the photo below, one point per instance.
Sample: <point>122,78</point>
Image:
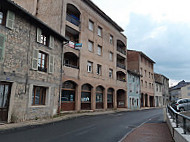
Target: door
<point>4,100</point>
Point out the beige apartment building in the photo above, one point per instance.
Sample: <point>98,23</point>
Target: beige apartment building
<point>95,60</point>
<point>138,62</point>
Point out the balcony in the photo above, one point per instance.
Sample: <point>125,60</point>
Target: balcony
<point>121,66</point>
<point>70,65</point>
<point>72,19</point>
<point>121,76</point>
<point>119,49</point>
<point>71,60</point>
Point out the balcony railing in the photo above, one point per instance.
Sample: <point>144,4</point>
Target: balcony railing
<point>121,79</point>
<point>71,66</point>
<point>119,49</point>
<point>72,19</point>
<point>121,66</point>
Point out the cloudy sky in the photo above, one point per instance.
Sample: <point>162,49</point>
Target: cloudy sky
<point>159,28</point>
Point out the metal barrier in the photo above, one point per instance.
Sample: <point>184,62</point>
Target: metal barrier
<point>180,120</point>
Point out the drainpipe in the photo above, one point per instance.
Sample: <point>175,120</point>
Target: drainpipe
<point>61,76</point>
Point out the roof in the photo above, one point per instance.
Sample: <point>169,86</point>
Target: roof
<point>142,54</point>
<point>101,13</point>
<point>10,5</point>
<point>180,85</point>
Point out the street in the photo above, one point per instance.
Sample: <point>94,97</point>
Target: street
<point>101,128</point>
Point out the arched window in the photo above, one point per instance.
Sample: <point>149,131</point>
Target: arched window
<point>68,91</point>
<point>86,93</point>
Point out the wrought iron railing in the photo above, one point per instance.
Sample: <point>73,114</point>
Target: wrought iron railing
<point>120,65</point>
<point>181,120</point>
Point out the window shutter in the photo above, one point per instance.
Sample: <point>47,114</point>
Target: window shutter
<point>35,60</point>
<point>2,43</point>
<point>51,64</point>
<point>10,19</point>
<point>51,42</point>
<point>39,33</point>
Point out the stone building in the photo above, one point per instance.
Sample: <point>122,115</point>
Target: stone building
<point>133,91</point>
<point>30,65</point>
<point>179,91</point>
<point>138,62</point>
<point>95,61</point>
<point>158,87</point>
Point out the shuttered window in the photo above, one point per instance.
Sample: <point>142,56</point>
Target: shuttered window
<point>51,42</point>
<point>35,60</point>
<point>2,45</point>
<point>10,19</point>
<point>39,33</point>
<point>51,64</point>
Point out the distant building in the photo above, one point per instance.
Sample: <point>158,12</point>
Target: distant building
<point>179,91</point>
<point>138,62</point>
<point>161,88</point>
<point>133,91</point>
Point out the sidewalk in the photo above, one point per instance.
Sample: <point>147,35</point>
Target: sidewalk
<point>150,132</point>
<point>64,116</point>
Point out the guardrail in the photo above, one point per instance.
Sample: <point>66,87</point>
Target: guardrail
<point>180,120</point>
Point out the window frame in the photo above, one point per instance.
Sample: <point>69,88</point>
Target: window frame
<point>111,39</point>
<point>91,25</point>
<point>44,90</point>
<point>92,47</point>
<point>111,73</point>
<point>111,56</point>
<point>99,31</point>
<point>99,69</point>
<point>90,67</point>
<point>45,68</point>
<point>99,50</point>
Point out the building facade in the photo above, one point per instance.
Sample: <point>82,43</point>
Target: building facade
<point>158,87</point>
<point>133,91</point>
<point>95,60</point>
<point>142,64</point>
<point>30,64</point>
<point>179,91</point>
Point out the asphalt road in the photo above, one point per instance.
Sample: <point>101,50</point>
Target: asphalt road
<point>101,128</point>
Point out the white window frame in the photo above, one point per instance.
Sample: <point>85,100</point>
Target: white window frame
<point>110,73</point>
<point>89,67</point>
<point>111,39</point>
<point>99,69</point>
<point>111,56</point>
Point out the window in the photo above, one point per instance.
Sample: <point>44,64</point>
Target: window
<point>89,66</point>
<point>149,74</point>
<point>99,69</point>
<point>99,31</point>
<point>68,91</point>
<point>90,46</point>
<point>111,39</point>
<point>110,73</point>
<point>111,56</point>
<point>38,95</point>
<point>149,85</point>
<point>2,43</point>
<point>2,17</point>
<point>99,50</point>
<point>145,73</point>
<point>146,84</point>
<point>91,25</point>
<point>141,71</point>
<point>44,38</point>
<point>42,61</point>
<point>141,82</point>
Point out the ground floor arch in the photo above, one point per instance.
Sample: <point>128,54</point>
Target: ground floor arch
<point>86,97</point>
<point>121,98</point>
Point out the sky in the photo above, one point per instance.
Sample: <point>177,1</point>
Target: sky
<point>158,28</point>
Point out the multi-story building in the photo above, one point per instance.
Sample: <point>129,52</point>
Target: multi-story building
<point>138,62</point>
<point>30,65</point>
<point>133,91</point>
<point>158,87</point>
<point>94,66</point>
<point>179,91</point>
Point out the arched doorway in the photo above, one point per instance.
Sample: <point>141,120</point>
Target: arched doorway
<point>142,100</point>
<point>99,97</point>
<point>120,98</point>
<point>110,98</point>
<point>86,97</point>
<point>68,96</point>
